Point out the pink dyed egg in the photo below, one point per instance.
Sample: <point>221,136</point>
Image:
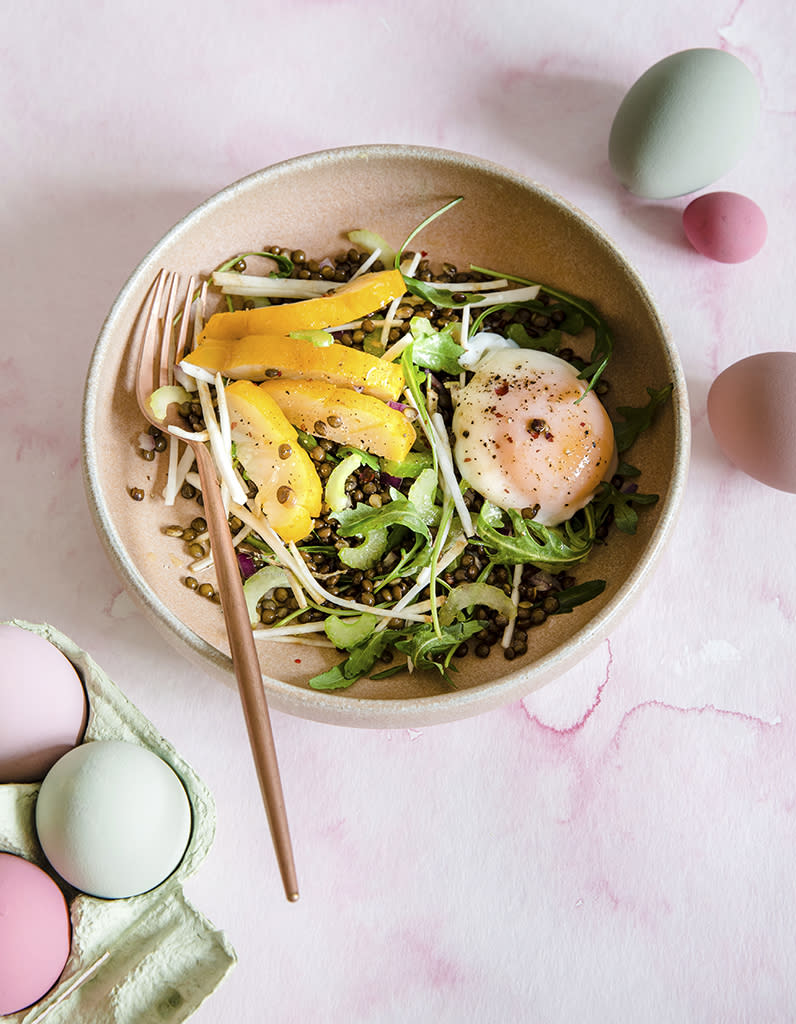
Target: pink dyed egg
<point>725,226</point>
<point>753,418</point>
<point>43,708</point>
<point>35,933</point>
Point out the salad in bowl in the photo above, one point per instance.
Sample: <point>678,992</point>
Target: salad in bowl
<point>441,480</point>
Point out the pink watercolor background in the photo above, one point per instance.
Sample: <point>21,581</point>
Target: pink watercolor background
<point>617,847</point>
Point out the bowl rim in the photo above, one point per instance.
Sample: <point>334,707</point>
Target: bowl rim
<point>337,707</point>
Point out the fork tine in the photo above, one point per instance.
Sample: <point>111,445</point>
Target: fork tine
<point>145,353</point>
<point>163,363</point>
<point>182,340</point>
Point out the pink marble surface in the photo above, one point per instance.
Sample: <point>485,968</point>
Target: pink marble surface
<point>618,847</point>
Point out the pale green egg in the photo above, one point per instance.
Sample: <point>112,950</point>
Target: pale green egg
<point>685,123</point>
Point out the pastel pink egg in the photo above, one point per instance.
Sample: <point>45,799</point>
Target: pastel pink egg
<point>35,933</point>
<point>43,707</point>
<point>752,415</point>
<point>725,226</point>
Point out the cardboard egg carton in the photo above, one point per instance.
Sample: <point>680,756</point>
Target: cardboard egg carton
<point>148,958</point>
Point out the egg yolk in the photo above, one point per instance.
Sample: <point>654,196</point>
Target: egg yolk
<point>523,440</point>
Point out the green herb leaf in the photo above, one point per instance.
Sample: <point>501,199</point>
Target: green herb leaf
<point>530,542</point>
<point>423,224</point>
<point>573,323</point>
<point>625,516</point>
<point>440,297</point>
<point>435,350</point>
<point>548,342</point>
<point>410,562</point>
<point>578,594</point>
<point>421,497</point>
<point>387,672</point>
<point>624,469</point>
<point>332,679</point>
<point>307,441</point>
<point>412,466</point>
<point>359,521</point>
<point>579,313</point>
<point>285,263</point>
<point>359,662</point>
<point>637,419</point>
<point>365,457</point>
<point>428,649</point>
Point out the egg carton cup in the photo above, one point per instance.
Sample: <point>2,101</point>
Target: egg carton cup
<point>148,958</point>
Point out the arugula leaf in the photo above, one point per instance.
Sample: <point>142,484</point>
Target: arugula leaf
<point>441,297</point>
<point>435,350</point>
<point>603,346</point>
<point>365,457</point>
<point>559,546</point>
<point>573,322</point>
<point>425,646</point>
<point>424,223</point>
<point>409,563</point>
<point>487,311</point>
<point>582,312</point>
<point>359,662</point>
<point>548,342</point>
<point>359,521</point>
<point>578,594</point>
<point>285,263</point>
<point>307,441</point>
<point>638,419</point>
<point>331,679</point>
<point>624,469</point>
<point>625,516</point>
<point>412,466</point>
<point>387,672</point>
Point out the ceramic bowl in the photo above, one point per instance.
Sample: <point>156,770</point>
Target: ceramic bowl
<point>505,221</point>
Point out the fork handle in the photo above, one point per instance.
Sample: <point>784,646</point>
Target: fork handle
<point>247,668</point>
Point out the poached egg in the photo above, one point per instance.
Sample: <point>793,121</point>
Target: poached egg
<point>522,439</point>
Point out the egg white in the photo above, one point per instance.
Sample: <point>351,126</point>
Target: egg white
<point>523,440</point>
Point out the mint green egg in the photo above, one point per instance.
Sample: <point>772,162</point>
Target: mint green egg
<point>685,123</point>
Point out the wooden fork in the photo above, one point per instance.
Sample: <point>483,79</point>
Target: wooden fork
<point>153,371</point>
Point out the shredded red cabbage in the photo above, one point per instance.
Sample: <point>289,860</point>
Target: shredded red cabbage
<point>246,564</point>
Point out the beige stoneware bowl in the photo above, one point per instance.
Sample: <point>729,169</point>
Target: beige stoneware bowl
<point>311,202</point>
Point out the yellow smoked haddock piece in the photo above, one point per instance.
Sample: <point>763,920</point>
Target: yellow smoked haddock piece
<point>352,301</point>
<point>345,416</point>
<point>289,490</point>
<point>262,356</point>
